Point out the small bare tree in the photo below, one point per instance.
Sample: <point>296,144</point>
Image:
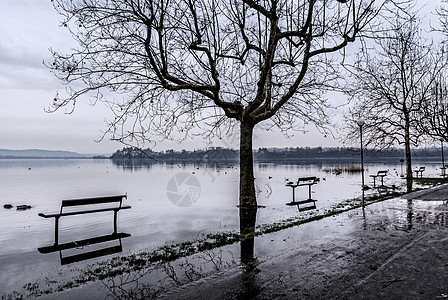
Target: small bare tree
<point>391,86</point>
<point>168,67</point>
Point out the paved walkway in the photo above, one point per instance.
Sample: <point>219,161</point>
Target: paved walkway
<point>396,249</point>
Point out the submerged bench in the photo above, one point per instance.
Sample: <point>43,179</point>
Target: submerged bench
<point>419,170</point>
<point>303,181</point>
<point>443,171</point>
<point>86,206</point>
<point>381,174</point>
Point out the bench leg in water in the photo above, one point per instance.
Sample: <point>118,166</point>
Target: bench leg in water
<point>115,221</point>
<point>293,195</point>
<point>56,231</point>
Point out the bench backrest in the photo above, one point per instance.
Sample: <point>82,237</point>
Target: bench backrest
<point>381,173</point>
<point>312,179</point>
<point>93,201</point>
<point>422,169</point>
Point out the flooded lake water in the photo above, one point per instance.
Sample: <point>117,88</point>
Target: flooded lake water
<point>170,203</point>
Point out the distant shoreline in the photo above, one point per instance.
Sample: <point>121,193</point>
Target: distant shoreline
<point>44,157</point>
<point>311,160</point>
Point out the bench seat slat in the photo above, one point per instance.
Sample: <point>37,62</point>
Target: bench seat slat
<point>82,211</point>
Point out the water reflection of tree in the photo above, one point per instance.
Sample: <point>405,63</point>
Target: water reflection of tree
<point>247,228</point>
<point>410,214</point>
<point>133,164</point>
<point>153,282</point>
<point>160,279</point>
<point>249,287</point>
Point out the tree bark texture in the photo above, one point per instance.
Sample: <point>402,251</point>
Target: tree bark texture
<point>407,145</point>
<point>247,185</point>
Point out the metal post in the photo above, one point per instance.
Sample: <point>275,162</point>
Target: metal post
<point>56,231</point>
<point>401,163</point>
<point>361,123</point>
<point>115,221</point>
<point>443,160</point>
<point>293,194</point>
<point>362,159</point>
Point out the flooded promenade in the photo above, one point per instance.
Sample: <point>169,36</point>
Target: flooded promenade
<point>395,249</point>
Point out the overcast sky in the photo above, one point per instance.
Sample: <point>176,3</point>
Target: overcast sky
<point>28,28</point>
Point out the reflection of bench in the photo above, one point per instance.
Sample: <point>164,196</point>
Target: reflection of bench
<point>86,206</point>
<point>89,244</point>
<point>303,181</point>
<point>419,170</point>
<point>381,174</point>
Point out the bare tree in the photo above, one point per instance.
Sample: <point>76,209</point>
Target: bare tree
<point>390,87</point>
<point>169,67</point>
<point>434,122</point>
<point>443,17</point>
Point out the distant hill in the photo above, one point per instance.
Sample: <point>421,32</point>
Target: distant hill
<point>38,153</point>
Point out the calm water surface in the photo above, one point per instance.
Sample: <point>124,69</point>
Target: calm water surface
<point>153,220</point>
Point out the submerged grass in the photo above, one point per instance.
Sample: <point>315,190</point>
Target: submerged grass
<point>348,169</point>
<point>431,181</point>
<point>168,253</point>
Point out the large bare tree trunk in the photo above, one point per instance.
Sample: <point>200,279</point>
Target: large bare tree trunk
<point>408,160</point>
<point>247,186</point>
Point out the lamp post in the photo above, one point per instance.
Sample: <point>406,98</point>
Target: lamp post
<point>443,160</point>
<point>361,123</point>
<point>401,163</point>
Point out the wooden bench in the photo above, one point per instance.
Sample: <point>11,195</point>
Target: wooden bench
<point>86,206</point>
<point>419,170</point>
<point>303,181</point>
<point>381,174</point>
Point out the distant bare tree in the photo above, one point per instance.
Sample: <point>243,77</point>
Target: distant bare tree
<point>168,67</point>
<point>390,87</point>
<point>443,17</point>
<point>435,110</point>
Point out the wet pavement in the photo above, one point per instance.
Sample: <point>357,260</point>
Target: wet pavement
<point>395,249</point>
